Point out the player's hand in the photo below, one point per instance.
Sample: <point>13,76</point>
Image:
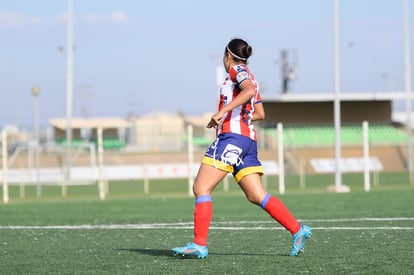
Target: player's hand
<point>211,124</point>
<point>215,120</point>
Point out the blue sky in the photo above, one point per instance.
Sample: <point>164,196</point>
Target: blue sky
<point>161,55</point>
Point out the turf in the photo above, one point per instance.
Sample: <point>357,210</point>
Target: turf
<point>132,233</point>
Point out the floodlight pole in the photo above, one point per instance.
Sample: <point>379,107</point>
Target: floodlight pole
<point>407,79</point>
<point>337,104</point>
<point>337,187</point>
<point>69,88</point>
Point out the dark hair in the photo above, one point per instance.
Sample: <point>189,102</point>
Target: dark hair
<point>239,49</point>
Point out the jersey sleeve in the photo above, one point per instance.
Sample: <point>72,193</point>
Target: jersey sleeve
<point>258,98</point>
<point>238,74</point>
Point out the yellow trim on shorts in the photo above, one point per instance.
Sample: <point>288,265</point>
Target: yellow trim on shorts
<point>218,164</point>
<point>249,171</point>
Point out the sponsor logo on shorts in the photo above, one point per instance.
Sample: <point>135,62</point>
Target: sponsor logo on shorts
<point>231,155</point>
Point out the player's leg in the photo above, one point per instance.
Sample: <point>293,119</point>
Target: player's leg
<point>252,188</point>
<point>256,193</point>
<point>207,179</point>
<point>212,170</point>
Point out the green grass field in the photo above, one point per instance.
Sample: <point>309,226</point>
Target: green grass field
<point>132,233</point>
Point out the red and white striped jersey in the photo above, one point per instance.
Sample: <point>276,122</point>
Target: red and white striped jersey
<point>239,120</point>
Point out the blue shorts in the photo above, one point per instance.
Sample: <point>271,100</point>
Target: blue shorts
<point>235,154</point>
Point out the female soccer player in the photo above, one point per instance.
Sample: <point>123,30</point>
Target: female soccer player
<point>235,151</point>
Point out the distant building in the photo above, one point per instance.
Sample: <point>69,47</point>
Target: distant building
<point>157,131</point>
<point>84,130</point>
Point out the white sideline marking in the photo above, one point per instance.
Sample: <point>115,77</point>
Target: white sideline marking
<point>363,219</point>
<point>216,225</point>
<point>156,226</point>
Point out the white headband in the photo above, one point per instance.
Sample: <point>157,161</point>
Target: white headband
<point>236,56</point>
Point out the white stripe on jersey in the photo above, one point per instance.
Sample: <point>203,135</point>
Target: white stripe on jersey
<point>239,121</point>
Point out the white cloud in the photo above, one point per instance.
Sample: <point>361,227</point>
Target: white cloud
<point>119,16</point>
<point>114,17</point>
<point>10,19</point>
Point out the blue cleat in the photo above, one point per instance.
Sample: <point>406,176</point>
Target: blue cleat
<point>191,250</point>
<point>299,240</point>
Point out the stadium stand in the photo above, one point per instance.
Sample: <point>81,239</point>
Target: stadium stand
<point>317,135</point>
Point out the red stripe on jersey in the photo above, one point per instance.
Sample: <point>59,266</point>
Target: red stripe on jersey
<point>239,119</point>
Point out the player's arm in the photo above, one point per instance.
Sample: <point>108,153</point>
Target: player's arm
<point>259,112</point>
<point>247,91</point>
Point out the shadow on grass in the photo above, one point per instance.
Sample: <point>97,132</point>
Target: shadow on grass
<point>150,252</point>
<point>168,253</point>
<point>243,254</point>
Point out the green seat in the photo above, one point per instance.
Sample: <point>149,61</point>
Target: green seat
<point>350,135</point>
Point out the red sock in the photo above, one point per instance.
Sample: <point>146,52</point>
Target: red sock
<point>203,212</point>
<point>278,211</point>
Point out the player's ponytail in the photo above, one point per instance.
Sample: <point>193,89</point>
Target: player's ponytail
<point>247,51</point>
<point>239,49</point>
